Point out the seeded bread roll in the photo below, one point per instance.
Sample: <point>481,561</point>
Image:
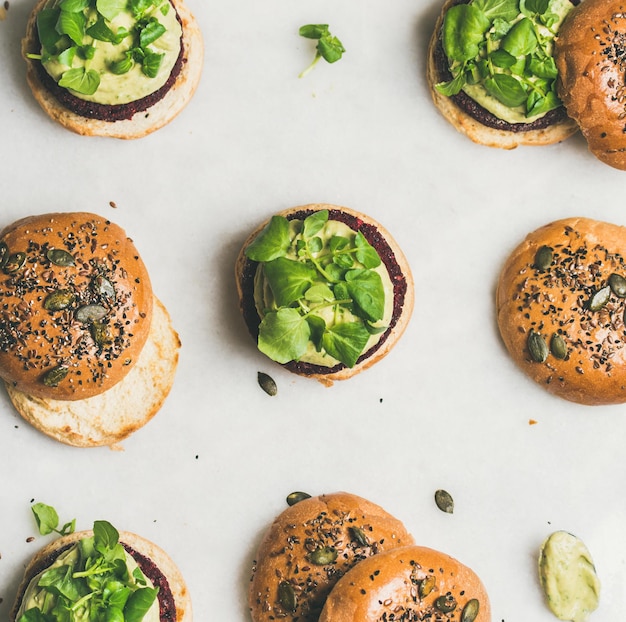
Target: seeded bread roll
<point>590,54</point>
<point>392,258</point>
<point>310,546</point>
<point>560,307</point>
<point>409,583</point>
<point>481,126</point>
<point>144,120</point>
<point>155,563</point>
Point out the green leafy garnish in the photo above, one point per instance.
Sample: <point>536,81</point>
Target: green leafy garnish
<point>324,289</point>
<point>90,581</point>
<point>328,46</point>
<point>47,520</point>
<point>504,46</point>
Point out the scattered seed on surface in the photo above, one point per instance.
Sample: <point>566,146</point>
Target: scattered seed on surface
<point>296,497</point>
<point>267,383</point>
<point>444,501</point>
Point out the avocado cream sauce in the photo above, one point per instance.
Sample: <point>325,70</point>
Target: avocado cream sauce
<point>264,299</point>
<point>493,105</point>
<point>568,577</point>
<point>35,596</point>
<point>133,85</point>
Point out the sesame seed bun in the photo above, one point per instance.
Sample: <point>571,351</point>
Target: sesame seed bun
<point>145,120</point>
<point>558,313</point>
<point>394,260</point>
<point>287,583</point>
<point>156,564</point>
<point>409,583</point>
<point>590,54</point>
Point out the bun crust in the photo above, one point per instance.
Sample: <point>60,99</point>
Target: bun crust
<point>590,57</point>
<point>395,586</point>
<point>285,582</point>
<point>397,266</point>
<point>559,281</point>
<point>112,416</point>
<point>472,128</point>
<point>141,123</point>
<point>156,555</point>
<point>85,311</point>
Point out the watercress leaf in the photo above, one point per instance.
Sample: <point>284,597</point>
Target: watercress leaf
<point>165,8</point>
<point>499,28</point>
<point>315,245</point>
<point>314,31</point>
<point>317,326</point>
<point>319,293</point>
<point>74,6</point>
<point>521,39</point>
<point>114,614</point>
<point>116,596</point>
<point>345,341</point>
<point>139,7</point>
<point>68,528</point>
<point>58,580</point>
<point>46,518</point>
<point>375,330</point>
<point>33,615</point>
<point>110,9</point>
<point>288,279</point>
<point>367,291</point>
<point>122,66</point>
<point>151,64</point>
<point>138,604</point>
<point>337,243</point>
<point>330,49</point>
<point>86,51</point>
<point>66,57</point>
<point>501,58</point>
<point>314,223</point>
<point>139,577</point>
<point>506,89</point>
<point>464,27</point>
<point>506,10</point>
<point>150,32</point>
<point>334,272</point>
<point>272,242</point>
<point>344,261</point>
<point>366,254</point>
<point>81,80</point>
<point>105,536</point>
<point>284,335</point>
<point>544,104</point>
<point>537,7</point>
<point>543,67</point>
<point>454,86</point>
<point>100,30</point>
<point>72,25</point>
<point>340,290</point>
<point>46,28</point>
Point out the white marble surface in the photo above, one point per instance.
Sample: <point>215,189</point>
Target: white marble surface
<point>446,409</point>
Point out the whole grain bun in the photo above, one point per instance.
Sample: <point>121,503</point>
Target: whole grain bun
<point>291,579</point>
<point>391,255</point>
<point>556,130</point>
<point>560,309</point>
<point>141,123</point>
<point>590,54</point>
<point>112,416</point>
<point>84,312</point>
<point>165,574</point>
<point>409,583</point>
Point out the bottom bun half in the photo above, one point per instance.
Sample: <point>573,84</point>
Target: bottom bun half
<point>112,416</point>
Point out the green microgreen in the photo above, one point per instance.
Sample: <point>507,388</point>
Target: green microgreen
<point>91,582</point>
<point>309,273</point>
<point>505,46</point>
<point>47,520</point>
<point>328,46</point>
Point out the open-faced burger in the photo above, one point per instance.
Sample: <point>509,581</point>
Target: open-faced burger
<point>119,69</point>
<point>87,352</point>
<point>324,290</point>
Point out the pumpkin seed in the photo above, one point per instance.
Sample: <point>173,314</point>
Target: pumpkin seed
<point>267,383</point>
<point>59,300</point>
<point>444,501</point>
<point>543,258</point>
<point>55,375</point>
<point>90,313</point>
<point>600,298</point>
<point>618,285</point>
<point>4,254</point>
<point>537,347</point>
<point>296,497</point>
<point>445,603</point>
<point>323,556</point>
<point>100,334</point>
<point>558,347</point>
<point>359,536</point>
<point>14,262</point>
<point>103,287</point>
<point>470,611</point>
<point>59,257</point>
<point>426,586</point>
<point>287,596</point>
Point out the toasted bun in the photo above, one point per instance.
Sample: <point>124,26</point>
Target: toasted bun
<point>44,323</point>
<point>287,583</point>
<point>565,290</point>
<point>409,583</point>
<point>590,54</point>
<point>559,128</point>
<point>141,123</point>
<point>112,416</point>
<point>391,255</point>
<point>167,575</point>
